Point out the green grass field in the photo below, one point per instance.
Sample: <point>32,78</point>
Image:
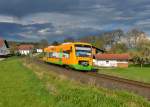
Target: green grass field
<point>31,86</point>
<point>133,72</point>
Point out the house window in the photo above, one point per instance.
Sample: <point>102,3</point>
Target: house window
<point>107,62</point>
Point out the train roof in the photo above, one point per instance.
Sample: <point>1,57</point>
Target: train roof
<point>69,43</point>
<point>76,43</point>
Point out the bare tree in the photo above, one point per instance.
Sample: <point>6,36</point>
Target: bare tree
<point>43,43</point>
<point>134,36</point>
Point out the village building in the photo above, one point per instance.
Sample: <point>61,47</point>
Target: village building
<point>4,48</point>
<point>111,60</point>
<point>39,50</point>
<point>25,49</point>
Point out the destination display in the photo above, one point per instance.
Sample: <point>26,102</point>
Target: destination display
<point>83,48</point>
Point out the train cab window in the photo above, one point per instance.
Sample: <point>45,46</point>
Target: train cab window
<point>83,50</point>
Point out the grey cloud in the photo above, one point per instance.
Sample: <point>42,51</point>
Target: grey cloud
<point>36,19</point>
<point>24,7</point>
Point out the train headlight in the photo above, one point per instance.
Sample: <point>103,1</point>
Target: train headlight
<point>84,63</point>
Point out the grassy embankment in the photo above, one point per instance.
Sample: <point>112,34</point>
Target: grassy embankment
<point>133,72</point>
<point>33,87</point>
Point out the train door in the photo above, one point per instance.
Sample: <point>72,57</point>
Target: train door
<point>67,55</point>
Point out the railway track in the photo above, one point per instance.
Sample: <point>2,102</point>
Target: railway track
<point>122,80</point>
<point>99,80</point>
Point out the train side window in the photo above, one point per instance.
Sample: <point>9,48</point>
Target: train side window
<point>44,53</point>
<point>66,54</point>
<point>50,54</point>
<point>94,57</point>
<point>71,49</point>
<point>47,54</point>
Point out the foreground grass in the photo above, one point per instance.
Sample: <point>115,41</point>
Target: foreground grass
<point>19,87</point>
<point>34,87</point>
<point>133,73</point>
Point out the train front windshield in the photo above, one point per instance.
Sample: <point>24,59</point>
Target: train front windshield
<point>83,50</point>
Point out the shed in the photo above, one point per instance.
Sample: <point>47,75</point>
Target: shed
<point>25,49</point>
<point>111,60</point>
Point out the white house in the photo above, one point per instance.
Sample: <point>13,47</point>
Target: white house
<point>25,49</point>
<point>111,60</point>
<point>4,48</point>
<point>39,50</point>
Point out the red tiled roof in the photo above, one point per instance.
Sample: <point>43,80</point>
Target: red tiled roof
<point>25,47</point>
<point>1,42</point>
<point>112,56</point>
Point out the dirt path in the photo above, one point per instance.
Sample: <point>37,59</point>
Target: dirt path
<point>1,59</point>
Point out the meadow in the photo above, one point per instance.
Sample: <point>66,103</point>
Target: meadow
<point>27,85</point>
<point>133,72</point>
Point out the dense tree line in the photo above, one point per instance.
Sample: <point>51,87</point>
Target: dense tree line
<point>134,42</point>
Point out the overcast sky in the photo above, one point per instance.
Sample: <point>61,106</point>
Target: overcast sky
<point>33,20</point>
